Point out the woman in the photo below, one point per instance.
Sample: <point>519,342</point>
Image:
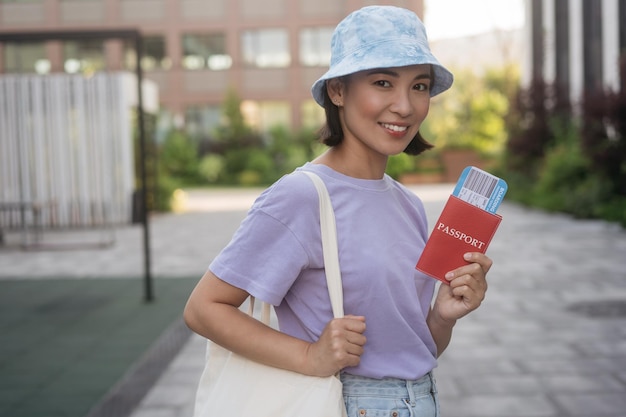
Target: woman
<point>376,95</point>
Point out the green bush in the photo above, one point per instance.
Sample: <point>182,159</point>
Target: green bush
<point>236,154</point>
<point>178,158</point>
<point>400,164</point>
<point>261,162</point>
<point>520,186</point>
<point>472,114</point>
<point>613,210</point>
<point>289,150</point>
<point>162,197</point>
<point>566,181</point>
<point>248,161</point>
<point>564,161</point>
<point>564,169</point>
<point>210,168</point>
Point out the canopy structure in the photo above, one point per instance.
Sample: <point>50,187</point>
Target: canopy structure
<point>66,142</point>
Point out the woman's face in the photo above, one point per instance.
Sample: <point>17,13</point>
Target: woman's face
<point>381,110</point>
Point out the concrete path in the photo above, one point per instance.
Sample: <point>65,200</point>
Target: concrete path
<point>549,341</point>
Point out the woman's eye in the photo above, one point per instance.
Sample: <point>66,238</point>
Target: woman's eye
<point>382,83</point>
<point>422,87</point>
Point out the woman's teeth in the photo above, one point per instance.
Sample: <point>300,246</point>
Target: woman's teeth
<point>395,128</point>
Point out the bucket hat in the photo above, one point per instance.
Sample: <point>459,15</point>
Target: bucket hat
<point>380,37</point>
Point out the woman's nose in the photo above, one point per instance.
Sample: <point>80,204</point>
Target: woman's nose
<point>402,104</point>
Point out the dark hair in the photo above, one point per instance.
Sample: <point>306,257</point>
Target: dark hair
<point>331,134</point>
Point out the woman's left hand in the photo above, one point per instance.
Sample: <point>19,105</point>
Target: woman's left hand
<point>467,288</point>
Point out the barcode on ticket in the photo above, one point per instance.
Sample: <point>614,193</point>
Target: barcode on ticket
<point>480,189</point>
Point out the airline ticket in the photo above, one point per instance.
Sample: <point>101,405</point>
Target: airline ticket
<point>480,189</point>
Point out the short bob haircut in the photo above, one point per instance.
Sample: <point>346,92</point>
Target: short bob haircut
<point>331,134</point>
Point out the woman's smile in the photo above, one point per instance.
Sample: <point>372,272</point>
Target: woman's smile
<point>395,130</point>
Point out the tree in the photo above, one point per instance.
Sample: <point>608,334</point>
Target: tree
<point>472,114</point>
<point>234,130</point>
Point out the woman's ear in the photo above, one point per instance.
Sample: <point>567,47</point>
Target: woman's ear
<point>335,89</point>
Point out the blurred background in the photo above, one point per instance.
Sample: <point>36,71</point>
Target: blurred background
<point>538,99</point>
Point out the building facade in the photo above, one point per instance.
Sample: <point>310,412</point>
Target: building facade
<point>576,45</point>
<point>268,51</point>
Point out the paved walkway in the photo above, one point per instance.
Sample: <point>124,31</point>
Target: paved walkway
<point>549,341</point>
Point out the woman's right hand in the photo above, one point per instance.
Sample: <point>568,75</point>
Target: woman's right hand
<point>339,346</point>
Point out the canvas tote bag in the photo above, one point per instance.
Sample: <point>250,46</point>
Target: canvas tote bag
<point>233,386</point>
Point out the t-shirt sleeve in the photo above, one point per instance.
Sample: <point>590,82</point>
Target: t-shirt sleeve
<point>269,250</point>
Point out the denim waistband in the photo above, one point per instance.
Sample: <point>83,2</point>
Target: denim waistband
<point>388,387</point>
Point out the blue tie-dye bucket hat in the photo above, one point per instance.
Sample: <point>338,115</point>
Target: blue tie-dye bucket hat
<point>380,37</point>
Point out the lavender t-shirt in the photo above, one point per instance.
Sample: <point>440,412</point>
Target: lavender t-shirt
<point>276,255</point>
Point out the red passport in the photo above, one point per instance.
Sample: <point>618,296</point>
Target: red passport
<point>461,228</point>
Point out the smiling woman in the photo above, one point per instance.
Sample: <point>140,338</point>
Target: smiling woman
<point>376,94</point>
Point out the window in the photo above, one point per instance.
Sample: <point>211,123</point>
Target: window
<point>263,115</point>
<point>26,57</point>
<point>315,46</point>
<point>85,56</point>
<point>266,48</point>
<point>207,50</point>
<point>202,120</point>
<point>312,114</point>
<point>154,55</point>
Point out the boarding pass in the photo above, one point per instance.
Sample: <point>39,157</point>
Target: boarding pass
<point>480,188</point>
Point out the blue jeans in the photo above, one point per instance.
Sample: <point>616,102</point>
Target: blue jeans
<point>389,397</point>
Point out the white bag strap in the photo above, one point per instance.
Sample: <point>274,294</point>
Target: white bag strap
<point>265,311</point>
<point>329,246</point>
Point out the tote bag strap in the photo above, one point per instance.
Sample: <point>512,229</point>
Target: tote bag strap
<point>265,311</point>
<point>329,246</point>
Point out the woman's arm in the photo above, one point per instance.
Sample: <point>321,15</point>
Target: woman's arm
<point>213,312</point>
<point>441,330</point>
<point>468,285</point>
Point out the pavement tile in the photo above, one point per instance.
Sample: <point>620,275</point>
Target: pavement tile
<point>159,412</point>
<point>593,404</point>
<point>498,385</point>
<point>493,405</point>
<point>169,395</point>
<point>470,366</point>
<point>578,365</point>
<point>591,383</point>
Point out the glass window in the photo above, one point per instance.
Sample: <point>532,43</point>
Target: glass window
<point>266,48</point>
<point>84,56</point>
<point>202,120</point>
<point>315,46</point>
<point>154,54</point>
<point>26,57</point>
<point>263,115</point>
<point>312,114</point>
<point>205,50</point>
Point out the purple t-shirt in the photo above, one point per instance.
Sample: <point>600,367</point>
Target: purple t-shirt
<point>276,255</point>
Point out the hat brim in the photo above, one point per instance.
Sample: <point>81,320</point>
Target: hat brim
<point>383,55</point>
